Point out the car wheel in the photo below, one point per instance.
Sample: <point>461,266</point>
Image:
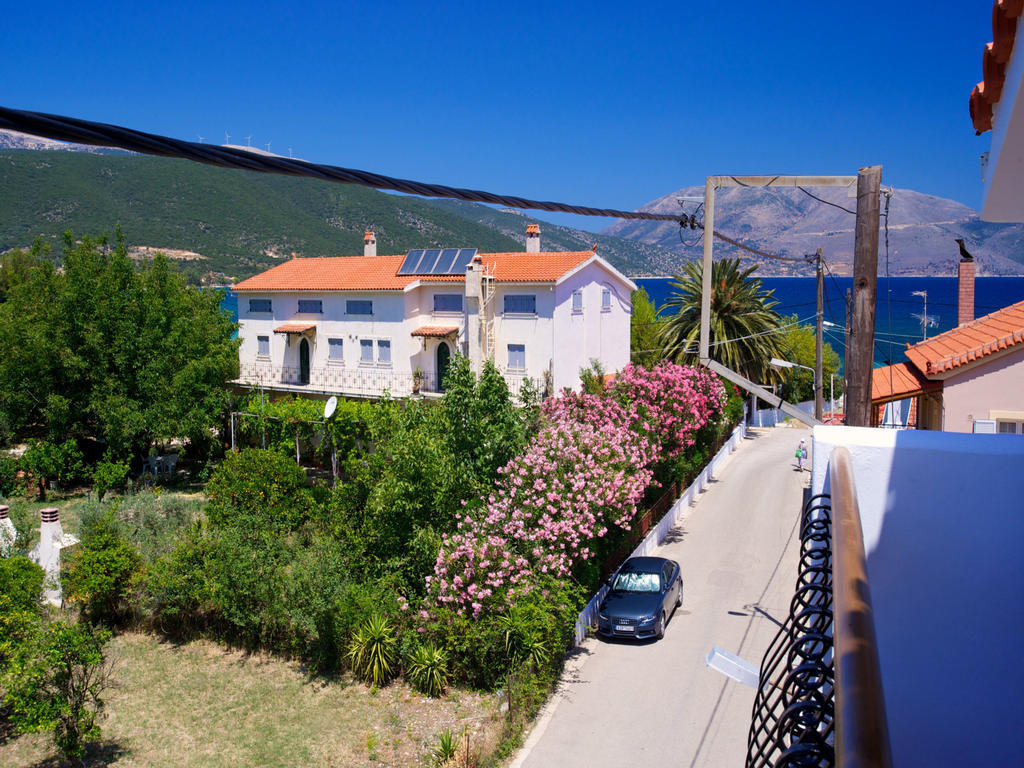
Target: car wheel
<point>661,627</point>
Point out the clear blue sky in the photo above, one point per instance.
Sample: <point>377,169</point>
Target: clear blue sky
<point>604,104</point>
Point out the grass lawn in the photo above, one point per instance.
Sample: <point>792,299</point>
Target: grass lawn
<point>199,704</point>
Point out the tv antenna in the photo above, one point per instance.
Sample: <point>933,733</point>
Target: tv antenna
<point>201,138</point>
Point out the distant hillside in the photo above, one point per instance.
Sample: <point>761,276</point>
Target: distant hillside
<point>922,229</point>
<point>240,222</point>
<point>628,256</point>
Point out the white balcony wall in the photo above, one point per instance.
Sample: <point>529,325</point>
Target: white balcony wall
<point>943,521</point>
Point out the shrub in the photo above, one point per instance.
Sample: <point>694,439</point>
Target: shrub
<point>54,682</point>
<point>373,651</point>
<point>261,489</point>
<point>426,667</point>
<point>102,571</point>
<point>21,581</point>
<point>176,593</point>
<point>108,475</point>
<point>445,748</point>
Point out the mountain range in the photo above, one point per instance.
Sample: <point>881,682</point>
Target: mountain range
<point>786,221</point>
<point>224,225</point>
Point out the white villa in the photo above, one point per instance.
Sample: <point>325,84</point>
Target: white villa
<point>360,326</point>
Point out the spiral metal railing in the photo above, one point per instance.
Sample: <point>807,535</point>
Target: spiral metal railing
<point>794,709</point>
<point>820,701</point>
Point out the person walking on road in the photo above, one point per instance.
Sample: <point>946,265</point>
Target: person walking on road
<point>801,454</point>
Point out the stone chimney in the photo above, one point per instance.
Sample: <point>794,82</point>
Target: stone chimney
<point>7,532</point>
<point>965,292</point>
<point>532,238</point>
<point>369,244</point>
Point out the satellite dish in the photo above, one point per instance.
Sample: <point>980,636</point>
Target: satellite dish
<point>330,406</point>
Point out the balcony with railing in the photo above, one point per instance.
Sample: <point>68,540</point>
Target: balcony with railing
<point>900,647</point>
<point>351,381</point>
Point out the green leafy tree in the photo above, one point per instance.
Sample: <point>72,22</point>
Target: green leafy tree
<point>16,265</point>
<point>55,681</point>
<point>105,351</point>
<point>644,328</point>
<point>744,332</point>
<point>798,383</point>
<point>47,461</point>
<point>108,475</point>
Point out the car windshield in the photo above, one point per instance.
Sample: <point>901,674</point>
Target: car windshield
<point>632,581</point>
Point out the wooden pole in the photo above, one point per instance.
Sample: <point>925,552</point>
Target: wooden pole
<point>865,290</point>
<point>705,291</point>
<point>819,384</point>
<point>846,353</point>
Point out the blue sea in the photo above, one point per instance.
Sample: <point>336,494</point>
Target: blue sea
<point>898,315</point>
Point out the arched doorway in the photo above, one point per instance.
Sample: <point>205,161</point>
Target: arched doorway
<point>303,362</point>
<point>444,355</point>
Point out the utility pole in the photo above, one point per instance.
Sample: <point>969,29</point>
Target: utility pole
<point>846,354</point>
<point>865,290</point>
<point>819,385</point>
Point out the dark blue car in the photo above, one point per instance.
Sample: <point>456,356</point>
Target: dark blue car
<point>642,595</point>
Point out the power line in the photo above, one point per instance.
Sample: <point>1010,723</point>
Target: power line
<point>103,135</point>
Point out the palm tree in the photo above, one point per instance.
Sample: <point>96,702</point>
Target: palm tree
<point>743,324</point>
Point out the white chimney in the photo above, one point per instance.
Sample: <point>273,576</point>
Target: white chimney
<point>46,553</point>
<point>532,238</point>
<point>474,306</point>
<point>369,244</point>
<point>7,532</point>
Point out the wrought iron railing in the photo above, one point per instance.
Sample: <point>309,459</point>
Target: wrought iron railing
<point>807,711</point>
<point>354,380</point>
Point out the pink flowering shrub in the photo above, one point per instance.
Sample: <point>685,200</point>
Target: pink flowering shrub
<point>584,472</point>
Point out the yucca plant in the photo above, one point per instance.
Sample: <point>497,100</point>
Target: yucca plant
<point>373,650</point>
<point>446,747</point>
<point>427,669</point>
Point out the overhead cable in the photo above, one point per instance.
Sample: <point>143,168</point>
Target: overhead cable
<point>103,135</point>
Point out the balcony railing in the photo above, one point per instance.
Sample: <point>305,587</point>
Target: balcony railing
<point>808,711</point>
<point>356,381</point>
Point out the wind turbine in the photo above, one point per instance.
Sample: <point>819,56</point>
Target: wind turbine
<point>268,146</point>
<point>248,141</point>
<point>201,139</point>
<point>227,137</point>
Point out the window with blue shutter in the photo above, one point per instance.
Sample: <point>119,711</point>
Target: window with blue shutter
<point>259,305</point>
<point>353,307</point>
<point>335,349</point>
<point>517,356</point>
<point>311,306</point>
<point>520,304</point>
<point>447,302</point>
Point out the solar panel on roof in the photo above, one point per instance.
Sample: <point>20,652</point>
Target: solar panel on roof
<point>426,266</point>
<point>462,261</point>
<point>409,265</point>
<point>444,264</point>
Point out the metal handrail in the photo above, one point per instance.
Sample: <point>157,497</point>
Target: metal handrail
<point>819,700</point>
<point>862,732</point>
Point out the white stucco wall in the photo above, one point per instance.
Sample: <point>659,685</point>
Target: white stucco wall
<point>992,386</point>
<point>943,518</point>
<point>593,333</point>
<point>534,332</point>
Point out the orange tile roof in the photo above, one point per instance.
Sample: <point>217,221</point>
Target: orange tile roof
<point>893,382</point>
<point>989,91</point>
<point>295,328</point>
<point>970,342</point>
<point>380,273</point>
<point>439,331</point>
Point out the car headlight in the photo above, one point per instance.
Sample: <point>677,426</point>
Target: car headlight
<point>648,619</point>
<point>602,616</point>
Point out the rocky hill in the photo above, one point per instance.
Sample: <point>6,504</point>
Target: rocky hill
<point>922,229</point>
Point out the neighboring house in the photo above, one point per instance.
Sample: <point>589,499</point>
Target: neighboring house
<point>361,326</point>
<point>968,379</point>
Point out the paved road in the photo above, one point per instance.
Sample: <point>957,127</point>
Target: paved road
<point>657,703</point>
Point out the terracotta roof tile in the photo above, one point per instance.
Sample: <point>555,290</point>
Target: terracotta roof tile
<point>996,54</point>
<point>295,328</point>
<point>893,382</point>
<point>380,273</point>
<point>439,331</point>
<point>970,342</point>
